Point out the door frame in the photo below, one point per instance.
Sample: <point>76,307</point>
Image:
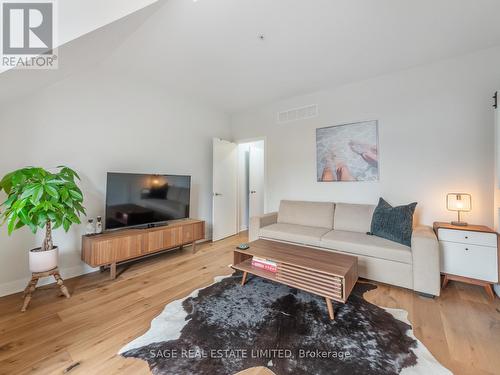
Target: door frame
<point>251,140</point>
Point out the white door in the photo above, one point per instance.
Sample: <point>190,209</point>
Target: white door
<point>256,181</point>
<point>225,189</point>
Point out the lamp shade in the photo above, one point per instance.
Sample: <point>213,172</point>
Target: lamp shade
<point>458,202</point>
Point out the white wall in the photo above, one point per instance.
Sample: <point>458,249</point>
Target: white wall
<point>95,123</point>
<point>436,136</point>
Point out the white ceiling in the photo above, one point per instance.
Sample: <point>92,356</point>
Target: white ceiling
<point>210,49</point>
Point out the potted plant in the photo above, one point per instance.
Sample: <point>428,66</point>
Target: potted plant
<point>40,199</point>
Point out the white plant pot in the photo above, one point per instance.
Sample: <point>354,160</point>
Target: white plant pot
<point>42,261</point>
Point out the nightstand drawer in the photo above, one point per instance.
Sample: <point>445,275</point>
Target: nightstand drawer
<point>476,262</point>
<point>468,237</point>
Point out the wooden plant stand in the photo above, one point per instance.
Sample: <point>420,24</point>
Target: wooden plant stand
<point>35,276</point>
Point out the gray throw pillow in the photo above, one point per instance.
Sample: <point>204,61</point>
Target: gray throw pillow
<point>393,223</point>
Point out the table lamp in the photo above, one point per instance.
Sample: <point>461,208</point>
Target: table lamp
<point>460,202</point>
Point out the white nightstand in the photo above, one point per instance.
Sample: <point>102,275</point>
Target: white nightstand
<point>469,254</point>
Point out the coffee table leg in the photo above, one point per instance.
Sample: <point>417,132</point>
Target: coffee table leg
<point>330,308</point>
<point>244,279</point>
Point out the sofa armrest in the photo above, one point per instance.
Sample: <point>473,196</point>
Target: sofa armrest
<point>425,254</point>
<point>258,222</point>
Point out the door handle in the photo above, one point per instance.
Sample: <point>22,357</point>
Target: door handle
<point>217,194</point>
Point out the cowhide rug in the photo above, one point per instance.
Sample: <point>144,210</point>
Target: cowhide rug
<point>226,328</point>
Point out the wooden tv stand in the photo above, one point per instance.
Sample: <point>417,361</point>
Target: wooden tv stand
<point>110,248</point>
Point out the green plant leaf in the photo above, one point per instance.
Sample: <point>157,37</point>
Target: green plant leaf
<point>37,194</point>
<point>9,201</point>
<point>24,217</point>
<point>57,224</point>
<point>27,221</point>
<point>11,222</point>
<point>77,195</point>
<point>57,205</point>
<point>19,225</point>
<point>41,219</point>
<point>28,191</point>
<point>19,178</point>
<point>19,205</point>
<point>52,191</point>
<point>4,216</point>
<point>6,182</point>
<point>56,181</point>
<point>73,218</point>
<point>69,172</point>
<point>79,208</point>
<point>52,216</point>
<point>66,224</point>
<point>64,194</point>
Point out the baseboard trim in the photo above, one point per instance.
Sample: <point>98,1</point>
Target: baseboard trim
<point>18,285</point>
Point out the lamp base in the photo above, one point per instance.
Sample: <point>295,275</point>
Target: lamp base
<point>459,223</point>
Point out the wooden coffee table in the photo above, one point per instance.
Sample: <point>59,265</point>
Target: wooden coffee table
<point>324,273</point>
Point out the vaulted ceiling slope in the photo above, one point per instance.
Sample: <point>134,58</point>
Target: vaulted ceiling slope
<point>79,55</point>
<point>212,49</point>
<point>76,18</point>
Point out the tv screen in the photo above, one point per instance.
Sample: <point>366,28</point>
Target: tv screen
<point>145,199</point>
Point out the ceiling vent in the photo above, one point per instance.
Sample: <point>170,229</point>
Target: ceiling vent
<point>297,114</point>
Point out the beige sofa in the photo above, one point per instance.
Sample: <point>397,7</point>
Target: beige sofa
<point>343,228</point>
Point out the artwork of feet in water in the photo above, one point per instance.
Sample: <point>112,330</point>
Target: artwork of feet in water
<point>348,152</point>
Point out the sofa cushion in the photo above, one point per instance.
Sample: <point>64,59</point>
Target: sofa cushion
<point>312,214</point>
<point>393,223</point>
<point>353,217</point>
<point>294,233</point>
<point>368,245</point>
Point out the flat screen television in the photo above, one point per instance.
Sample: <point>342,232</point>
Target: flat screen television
<point>134,200</point>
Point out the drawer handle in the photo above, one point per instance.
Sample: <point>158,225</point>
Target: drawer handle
<point>466,237</point>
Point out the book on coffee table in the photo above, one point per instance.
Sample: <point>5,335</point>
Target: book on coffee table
<point>264,264</point>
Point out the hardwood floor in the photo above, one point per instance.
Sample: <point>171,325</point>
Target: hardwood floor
<point>461,328</point>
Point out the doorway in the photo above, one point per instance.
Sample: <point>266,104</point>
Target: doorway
<point>251,181</point>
